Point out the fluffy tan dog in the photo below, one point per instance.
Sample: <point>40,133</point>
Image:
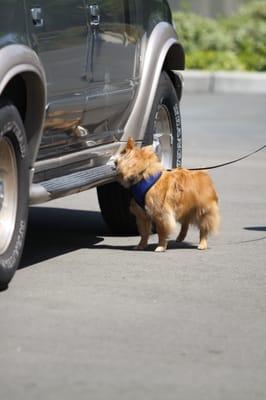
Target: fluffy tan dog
<point>165,197</point>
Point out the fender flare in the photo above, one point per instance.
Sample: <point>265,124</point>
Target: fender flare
<point>20,60</point>
<point>163,51</point>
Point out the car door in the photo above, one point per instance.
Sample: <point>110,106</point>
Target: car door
<point>59,35</point>
<point>111,67</point>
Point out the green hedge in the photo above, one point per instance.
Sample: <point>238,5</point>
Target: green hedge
<point>234,43</point>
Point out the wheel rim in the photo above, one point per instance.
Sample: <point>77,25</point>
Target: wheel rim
<point>8,192</point>
<point>163,136</point>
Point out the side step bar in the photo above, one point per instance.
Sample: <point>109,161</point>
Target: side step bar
<point>70,184</point>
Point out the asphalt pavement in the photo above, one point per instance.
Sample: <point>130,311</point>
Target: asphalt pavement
<point>87,317</point>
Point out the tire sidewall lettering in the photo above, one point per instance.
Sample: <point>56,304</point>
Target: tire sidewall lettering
<point>9,262</point>
<point>177,117</point>
<point>13,127</point>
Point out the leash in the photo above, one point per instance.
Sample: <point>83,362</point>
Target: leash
<point>229,162</point>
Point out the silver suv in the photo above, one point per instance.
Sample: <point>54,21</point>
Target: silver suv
<point>77,78</point>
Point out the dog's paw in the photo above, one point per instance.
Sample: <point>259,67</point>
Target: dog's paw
<point>202,246</point>
<point>139,247</point>
<point>160,249</point>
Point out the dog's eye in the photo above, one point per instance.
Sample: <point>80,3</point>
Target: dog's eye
<point>123,152</point>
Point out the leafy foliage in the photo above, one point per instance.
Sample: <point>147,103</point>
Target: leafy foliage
<point>234,43</point>
<point>214,61</point>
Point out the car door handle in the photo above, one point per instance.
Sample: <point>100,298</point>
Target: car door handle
<point>36,14</point>
<point>94,15</point>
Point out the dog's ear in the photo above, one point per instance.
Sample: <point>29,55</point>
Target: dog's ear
<point>130,144</point>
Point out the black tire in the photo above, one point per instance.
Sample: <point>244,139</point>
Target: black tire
<point>114,203</point>
<point>166,100</point>
<point>113,198</point>
<point>14,191</point>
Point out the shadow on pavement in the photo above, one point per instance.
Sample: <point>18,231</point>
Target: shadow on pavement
<point>172,245</point>
<point>55,231</point>
<point>256,228</point>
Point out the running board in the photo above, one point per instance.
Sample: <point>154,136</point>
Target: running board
<point>70,184</point>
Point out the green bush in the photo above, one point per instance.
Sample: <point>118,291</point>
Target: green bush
<point>234,43</point>
<point>199,33</point>
<point>214,60</point>
<point>248,30</point>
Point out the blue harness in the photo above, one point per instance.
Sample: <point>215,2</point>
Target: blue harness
<point>140,189</point>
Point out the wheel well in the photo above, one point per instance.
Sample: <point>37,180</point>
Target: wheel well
<point>16,93</point>
<point>175,60</point>
<point>26,91</point>
<point>177,81</point>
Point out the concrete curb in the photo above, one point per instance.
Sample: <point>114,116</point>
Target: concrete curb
<point>224,82</point>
